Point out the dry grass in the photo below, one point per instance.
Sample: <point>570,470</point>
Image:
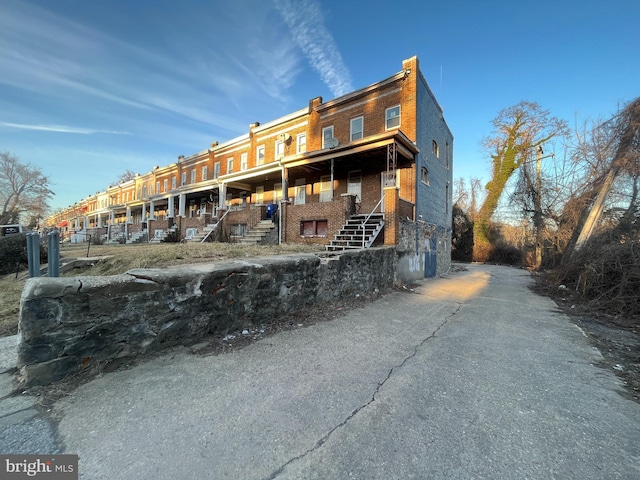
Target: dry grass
<point>125,257</point>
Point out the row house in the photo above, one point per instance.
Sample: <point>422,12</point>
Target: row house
<point>380,153</point>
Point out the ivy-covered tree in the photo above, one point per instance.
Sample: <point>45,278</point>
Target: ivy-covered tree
<point>518,132</point>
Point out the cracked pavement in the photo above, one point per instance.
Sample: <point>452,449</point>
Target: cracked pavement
<point>471,376</point>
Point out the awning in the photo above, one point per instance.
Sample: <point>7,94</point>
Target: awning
<point>64,223</point>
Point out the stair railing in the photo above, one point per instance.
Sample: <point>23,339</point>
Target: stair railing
<point>214,228</point>
<point>364,223</point>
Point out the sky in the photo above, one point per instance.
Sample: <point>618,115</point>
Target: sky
<point>89,90</point>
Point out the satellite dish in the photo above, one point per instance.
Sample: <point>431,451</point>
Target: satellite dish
<point>332,142</point>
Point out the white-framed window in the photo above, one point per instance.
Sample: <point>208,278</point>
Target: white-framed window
<point>279,149</point>
<point>301,143</point>
<point>300,191</point>
<point>216,170</point>
<point>244,164</point>
<point>193,176</point>
<point>144,191</point>
<point>424,176</point>
<point>260,155</point>
<point>435,148</point>
<point>392,117</point>
<point>357,128</point>
<point>184,178</point>
<point>158,186</point>
<point>230,165</point>
<point>327,137</point>
<point>277,192</point>
<point>174,183</point>
<point>259,195</point>
<point>326,193</point>
<point>354,183</point>
<point>205,173</point>
<point>166,184</point>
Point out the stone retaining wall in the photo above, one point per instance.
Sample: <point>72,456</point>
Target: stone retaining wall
<point>67,324</point>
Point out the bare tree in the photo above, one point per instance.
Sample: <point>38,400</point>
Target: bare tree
<point>24,190</point>
<point>518,132</point>
<point>126,176</point>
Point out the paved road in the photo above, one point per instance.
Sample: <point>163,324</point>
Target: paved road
<point>471,376</point>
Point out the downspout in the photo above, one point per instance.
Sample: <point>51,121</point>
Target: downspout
<point>280,203</point>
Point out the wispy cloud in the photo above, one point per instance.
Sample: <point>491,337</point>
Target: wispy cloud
<point>306,22</point>
<point>62,129</point>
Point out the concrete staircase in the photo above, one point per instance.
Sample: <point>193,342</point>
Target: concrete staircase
<point>138,237</point>
<point>201,235</point>
<point>351,234</point>
<point>257,234</point>
<point>164,235</point>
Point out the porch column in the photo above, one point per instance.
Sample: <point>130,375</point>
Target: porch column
<point>182,205</point>
<point>222,196</point>
<point>171,206</point>
<point>99,220</point>
<point>390,215</point>
<point>152,209</point>
<point>128,214</point>
<point>86,222</point>
<point>144,212</point>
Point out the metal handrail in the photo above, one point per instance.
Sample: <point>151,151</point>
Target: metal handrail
<point>369,216</point>
<point>214,228</point>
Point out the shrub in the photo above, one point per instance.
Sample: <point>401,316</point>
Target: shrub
<point>13,252</point>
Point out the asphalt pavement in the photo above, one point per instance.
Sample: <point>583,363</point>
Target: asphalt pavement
<point>469,376</point>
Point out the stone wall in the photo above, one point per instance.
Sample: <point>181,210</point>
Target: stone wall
<point>67,324</point>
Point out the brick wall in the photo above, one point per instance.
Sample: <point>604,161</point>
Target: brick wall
<point>335,212</point>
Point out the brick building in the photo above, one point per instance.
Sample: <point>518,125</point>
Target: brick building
<point>367,158</point>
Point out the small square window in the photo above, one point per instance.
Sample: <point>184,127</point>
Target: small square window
<point>314,228</point>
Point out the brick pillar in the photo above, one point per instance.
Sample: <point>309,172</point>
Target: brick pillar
<point>391,203</point>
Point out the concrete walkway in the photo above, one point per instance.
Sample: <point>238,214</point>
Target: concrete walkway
<point>471,376</point>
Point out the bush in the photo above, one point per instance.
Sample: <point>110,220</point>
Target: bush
<point>13,252</point>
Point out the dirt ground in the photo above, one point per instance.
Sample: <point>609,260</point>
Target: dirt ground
<point>618,339</point>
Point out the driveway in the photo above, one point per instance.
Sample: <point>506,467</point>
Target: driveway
<point>469,376</point>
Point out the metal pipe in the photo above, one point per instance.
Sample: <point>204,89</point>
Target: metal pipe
<point>33,254</point>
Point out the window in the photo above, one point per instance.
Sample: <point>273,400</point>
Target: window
<point>354,184</point>
<point>229,165</point>
<point>184,178</point>
<point>357,128</point>
<point>446,155</point>
<point>435,148</point>
<point>314,228</point>
<point>144,191</point>
<point>239,230</point>
<point>216,170</point>
<point>301,143</point>
<point>300,191</point>
<point>205,173</point>
<point>392,117</point>
<point>446,199</point>
<point>166,184</point>
<point>259,195</point>
<point>424,176</point>
<point>279,149</point>
<point>260,155</point>
<point>193,176</point>
<point>326,195</point>
<point>327,137</point>
<point>243,162</point>
<point>158,186</point>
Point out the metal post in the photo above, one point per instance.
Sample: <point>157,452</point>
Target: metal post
<point>33,254</point>
<point>54,253</point>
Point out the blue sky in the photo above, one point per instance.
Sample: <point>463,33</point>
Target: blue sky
<point>91,89</point>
